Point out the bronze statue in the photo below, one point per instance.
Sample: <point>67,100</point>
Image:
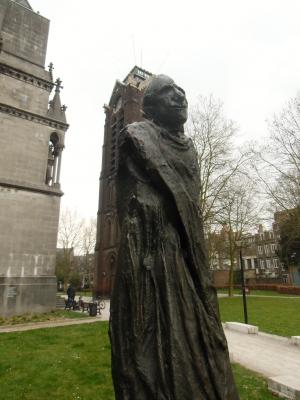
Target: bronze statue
<point>167,339</point>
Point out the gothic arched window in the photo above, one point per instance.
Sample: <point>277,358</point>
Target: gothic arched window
<point>53,153</point>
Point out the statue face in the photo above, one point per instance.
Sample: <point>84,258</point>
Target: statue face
<point>171,105</point>
<point>166,102</point>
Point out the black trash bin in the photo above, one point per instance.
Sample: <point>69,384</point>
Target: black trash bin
<point>93,309</point>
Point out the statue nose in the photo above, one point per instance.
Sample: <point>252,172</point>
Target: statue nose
<point>179,93</point>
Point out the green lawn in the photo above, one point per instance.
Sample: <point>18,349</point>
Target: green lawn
<point>259,293</point>
<point>250,385</point>
<point>58,363</point>
<point>51,316</point>
<point>73,362</point>
<point>279,316</point>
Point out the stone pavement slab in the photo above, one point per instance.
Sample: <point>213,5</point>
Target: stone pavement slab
<point>273,356</point>
<point>244,328</point>
<point>269,355</point>
<point>296,340</point>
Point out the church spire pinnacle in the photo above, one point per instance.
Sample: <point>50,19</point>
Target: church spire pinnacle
<point>58,86</point>
<point>56,110</point>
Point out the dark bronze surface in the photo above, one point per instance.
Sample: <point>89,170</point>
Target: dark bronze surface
<point>167,339</point>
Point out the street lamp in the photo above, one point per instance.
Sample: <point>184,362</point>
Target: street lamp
<point>239,244</point>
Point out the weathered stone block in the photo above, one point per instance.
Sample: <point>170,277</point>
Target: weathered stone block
<point>25,33</point>
<point>19,295</point>
<point>285,386</point>
<point>244,328</point>
<point>295,340</point>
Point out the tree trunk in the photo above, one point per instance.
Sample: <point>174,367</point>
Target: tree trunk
<point>231,250</point>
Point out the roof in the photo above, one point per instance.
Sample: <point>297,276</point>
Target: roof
<point>23,3</point>
<point>139,73</point>
<point>137,77</point>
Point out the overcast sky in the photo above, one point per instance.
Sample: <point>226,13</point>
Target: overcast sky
<point>247,53</point>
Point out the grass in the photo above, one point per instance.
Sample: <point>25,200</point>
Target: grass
<point>259,293</point>
<point>57,363</point>
<point>251,386</point>
<point>73,363</point>
<point>279,316</point>
<point>31,318</point>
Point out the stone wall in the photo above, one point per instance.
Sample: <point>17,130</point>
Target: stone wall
<point>27,251</point>
<point>24,150</point>
<point>29,206</point>
<point>25,33</point>
<point>20,295</point>
<point>22,95</point>
<point>220,278</point>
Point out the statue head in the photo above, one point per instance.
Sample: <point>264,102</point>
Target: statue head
<point>165,102</point>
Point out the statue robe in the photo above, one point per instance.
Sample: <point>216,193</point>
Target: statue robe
<point>167,339</point>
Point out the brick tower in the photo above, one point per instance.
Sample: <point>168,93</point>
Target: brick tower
<point>32,131</point>
<point>124,108</point>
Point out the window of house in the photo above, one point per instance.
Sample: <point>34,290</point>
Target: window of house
<point>262,264</point>
<point>260,250</point>
<point>268,263</point>
<point>276,262</point>
<point>273,247</point>
<point>266,246</point>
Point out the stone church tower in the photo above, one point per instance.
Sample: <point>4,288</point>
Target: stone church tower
<point>32,134</point>
<point>124,108</point>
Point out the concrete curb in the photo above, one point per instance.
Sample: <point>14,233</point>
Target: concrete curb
<point>285,386</point>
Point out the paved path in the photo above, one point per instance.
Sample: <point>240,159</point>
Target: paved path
<point>269,355</point>
<point>272,356</point>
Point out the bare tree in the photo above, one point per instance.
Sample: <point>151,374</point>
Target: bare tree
<point>213,136</point>
<point>88,236</point>
<point>88,242</point>
<point>69,240</point>
<point>70,230</point>
<point>278,167</point>
<point>278,162</point>
<point>239,215</point>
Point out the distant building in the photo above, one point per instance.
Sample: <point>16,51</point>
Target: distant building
<point>218,250</point>
<point>124,108</point>
<point>249,256</point>
<point>32,139</point>
<point>260,254</point>
<point>267,245</point>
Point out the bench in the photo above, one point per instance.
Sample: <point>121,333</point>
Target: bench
<point>85,305</point>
